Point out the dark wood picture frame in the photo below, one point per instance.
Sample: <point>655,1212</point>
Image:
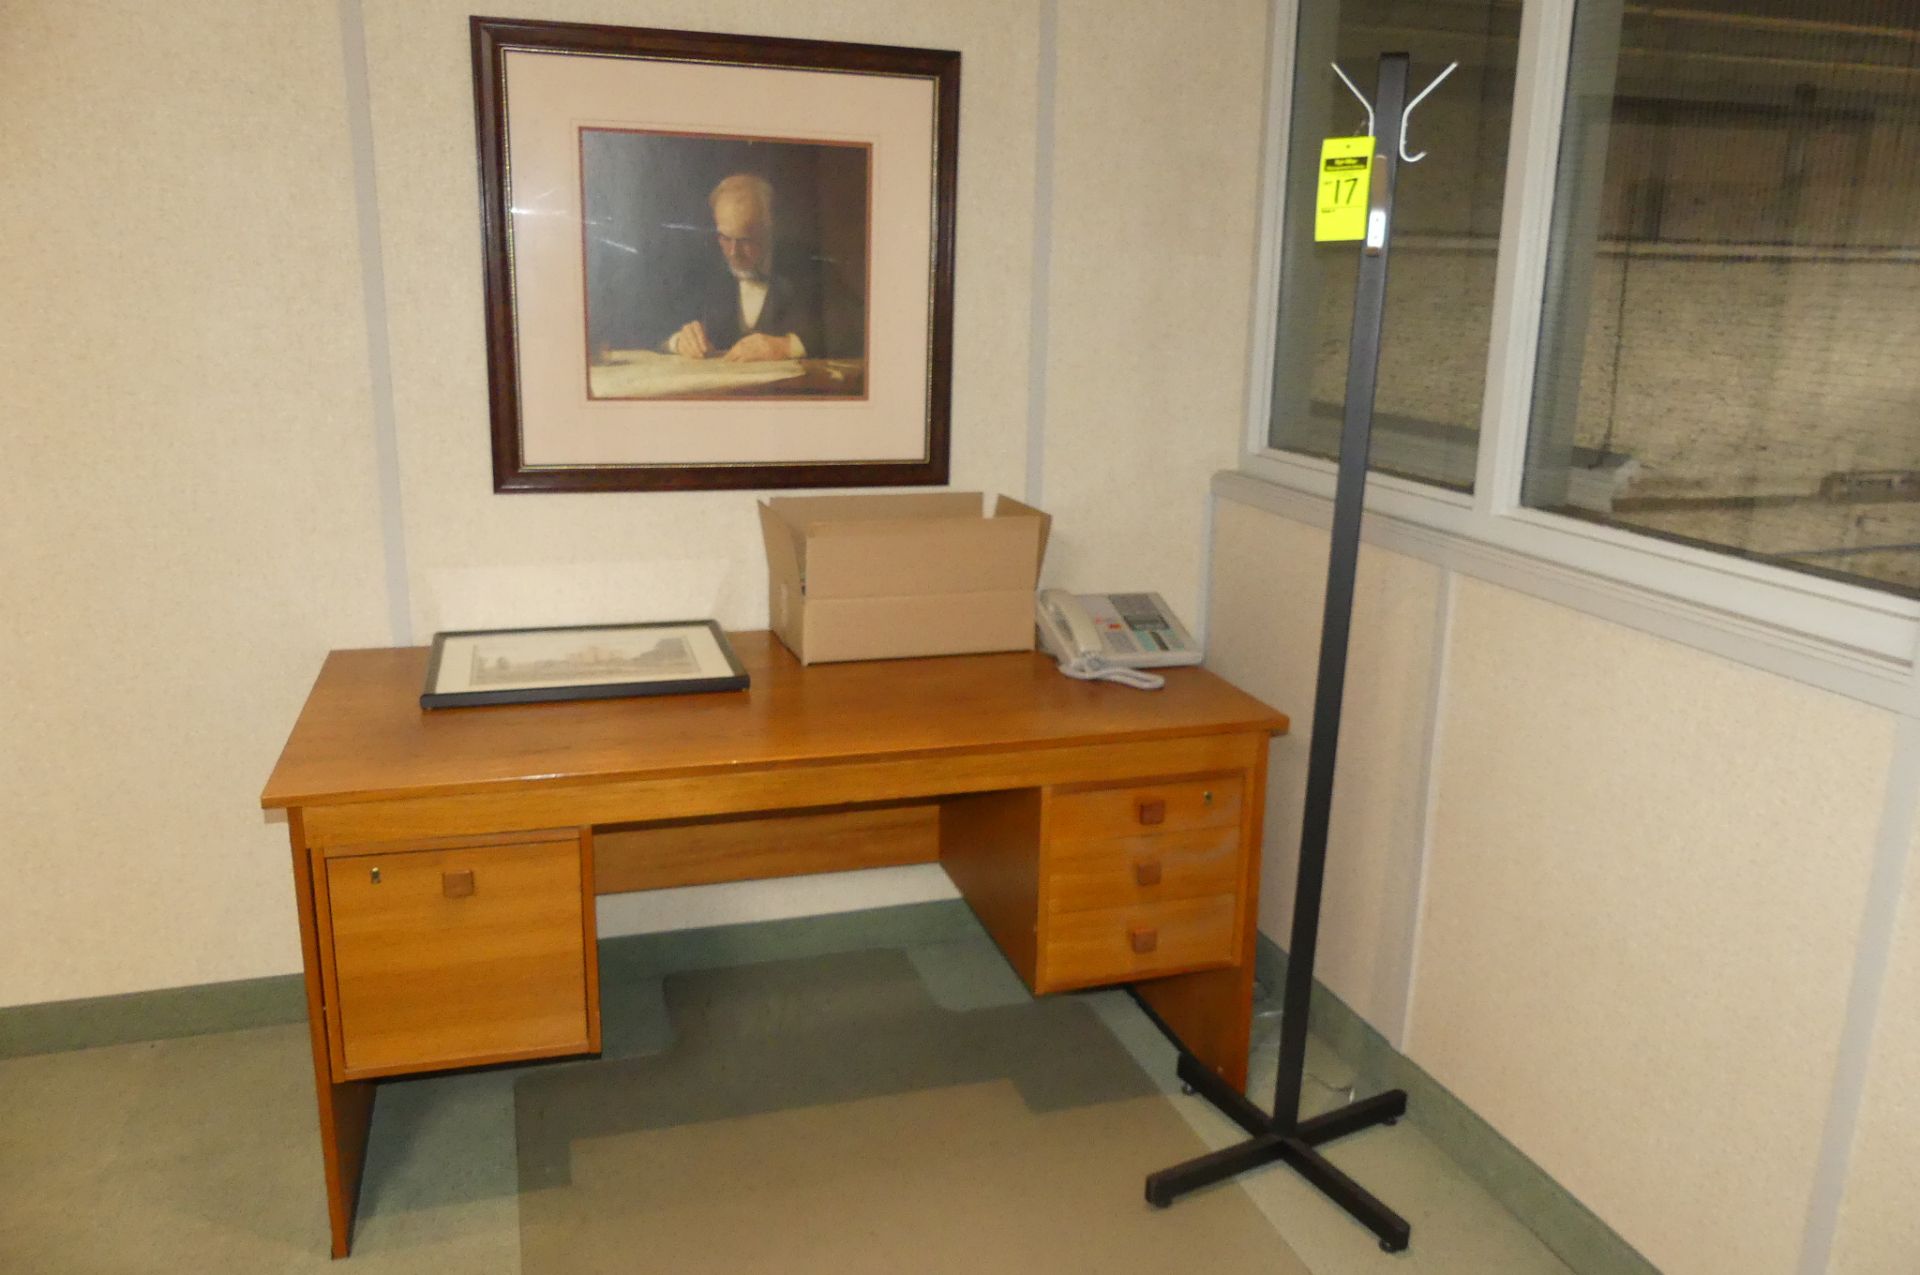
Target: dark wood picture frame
<point>734,679</point>
<point>492,40</point>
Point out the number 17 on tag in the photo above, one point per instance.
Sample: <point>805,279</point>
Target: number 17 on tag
<point>1346,171</point>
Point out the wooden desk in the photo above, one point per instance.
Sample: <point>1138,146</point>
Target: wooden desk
<point>445,862</point>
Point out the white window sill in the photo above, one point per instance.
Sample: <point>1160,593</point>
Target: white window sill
<point>1844,638</point>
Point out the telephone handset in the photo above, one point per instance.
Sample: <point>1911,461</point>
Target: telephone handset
<point>1113,636</point>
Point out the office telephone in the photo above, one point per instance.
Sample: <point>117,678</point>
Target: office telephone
<point>1114,637</point>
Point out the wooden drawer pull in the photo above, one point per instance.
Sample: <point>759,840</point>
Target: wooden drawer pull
<point>457,885</point>
<point>1152,810</point>
<point>1144,940</point>
<point>1146,872</point>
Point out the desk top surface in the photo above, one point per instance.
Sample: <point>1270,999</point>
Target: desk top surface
<point>363,735</point>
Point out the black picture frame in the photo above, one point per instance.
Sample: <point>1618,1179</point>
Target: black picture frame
<point>735,679</point>
<point>515,399</point>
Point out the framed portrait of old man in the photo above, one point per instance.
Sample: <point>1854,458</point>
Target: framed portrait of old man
<point>714,261</point>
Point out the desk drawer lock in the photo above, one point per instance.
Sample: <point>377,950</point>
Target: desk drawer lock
<point>457,885</point>
<point>1144,940</point>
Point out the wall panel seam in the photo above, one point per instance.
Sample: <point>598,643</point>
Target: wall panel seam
<point>1865,995</point>
<point>1039,314</point>
<point>1283,20</point>
<point>1203,596</point>
<point>373,288</point>
<point>1414,924</point>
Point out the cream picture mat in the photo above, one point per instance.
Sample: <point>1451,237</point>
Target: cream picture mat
<point>540,658</point>
<point>551,96</point>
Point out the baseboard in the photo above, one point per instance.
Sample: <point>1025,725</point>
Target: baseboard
<point>164,1014</point>
<point>1567,1227</point>
<point>169,1013</point>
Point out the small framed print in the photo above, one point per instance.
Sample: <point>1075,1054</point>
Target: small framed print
<point>591,661</point>
<point>714,261</point>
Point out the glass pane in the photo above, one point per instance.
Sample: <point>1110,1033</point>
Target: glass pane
<point>1728,350</point>
<point>1433,361</point>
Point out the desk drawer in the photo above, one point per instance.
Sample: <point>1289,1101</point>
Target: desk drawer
<point>1112,945</point>
<point>1124,871</point>
<point>1146,808</point>
<point>455,956</point>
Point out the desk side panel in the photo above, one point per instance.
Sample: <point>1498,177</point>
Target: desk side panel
<point>346,1110</point>
<point>990,847</point>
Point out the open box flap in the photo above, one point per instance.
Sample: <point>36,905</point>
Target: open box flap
<point>804,512</point>
<point>1008,507</point>
<point>786,544</point>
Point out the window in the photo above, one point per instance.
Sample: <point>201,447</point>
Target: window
<point>1730,340</point>
<point>1653,317</point>
<point>1447,224</point>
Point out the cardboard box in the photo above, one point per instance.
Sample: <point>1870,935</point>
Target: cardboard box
<point>884,577</point>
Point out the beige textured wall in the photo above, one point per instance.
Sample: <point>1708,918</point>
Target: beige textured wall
<point>477,557</point>
<point>1879,1223</point>
<point>1647,873</point>
<point>1155,202</point>
<point>194,517</point>
<point>1269,588</point>
<point>188,508</point>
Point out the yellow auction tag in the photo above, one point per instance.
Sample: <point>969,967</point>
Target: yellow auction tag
<point>1346,170</point>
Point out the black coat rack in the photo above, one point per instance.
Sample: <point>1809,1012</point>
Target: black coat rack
<point>1283,1136</point>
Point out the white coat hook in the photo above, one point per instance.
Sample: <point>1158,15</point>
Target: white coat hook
<point>1408,113</point>
<point>1357,93</point>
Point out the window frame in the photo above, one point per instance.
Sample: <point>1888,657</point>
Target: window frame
<point>1858,639</point>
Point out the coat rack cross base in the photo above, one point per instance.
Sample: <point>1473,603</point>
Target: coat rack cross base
<point>1294,1147</point>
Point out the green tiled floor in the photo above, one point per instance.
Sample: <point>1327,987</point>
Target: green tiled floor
<point>199,1154</point>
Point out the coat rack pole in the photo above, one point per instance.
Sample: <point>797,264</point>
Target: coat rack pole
<point>1282,1135</point>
